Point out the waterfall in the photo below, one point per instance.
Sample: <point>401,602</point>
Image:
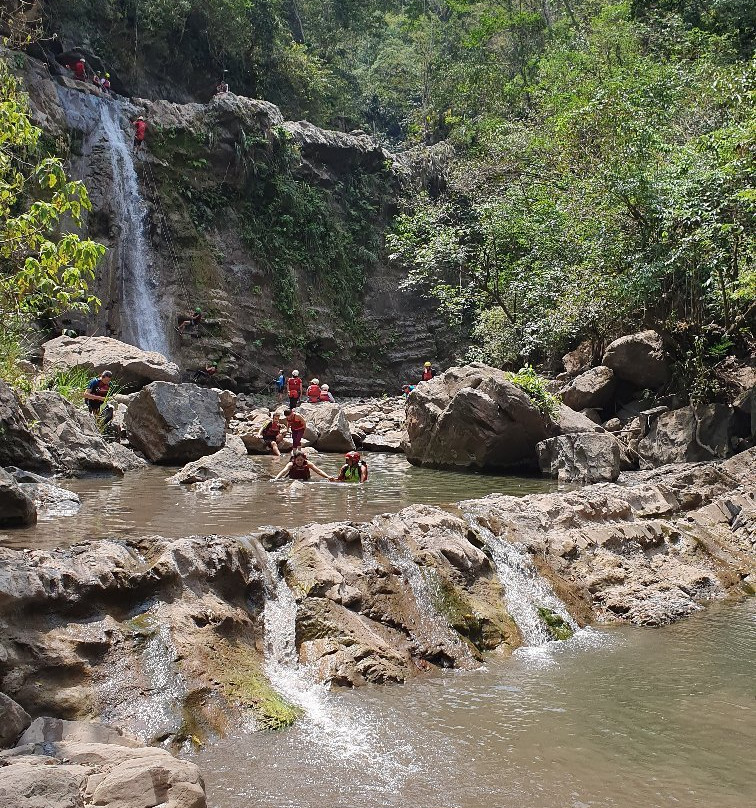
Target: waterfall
<point>143,324</point>
<point>525,591</point>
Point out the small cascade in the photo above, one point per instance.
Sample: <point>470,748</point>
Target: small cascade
<point>525,591</point>
<point>143,323</point>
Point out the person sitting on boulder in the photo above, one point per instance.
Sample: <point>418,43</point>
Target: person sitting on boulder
<point>97,391</point>
<point>193,319</point>
<point>221,87</point>
<point>297,426</point>
<point>140,130</point>
<point>427,372</point>
<point>299,468</point>
<point>354,470</point>
<point>272,433</point>
<point>313,392</point>
<point>326,395</point>
<point>294,386</point>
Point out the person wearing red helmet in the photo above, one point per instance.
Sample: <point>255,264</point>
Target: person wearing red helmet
<point>354,470</point>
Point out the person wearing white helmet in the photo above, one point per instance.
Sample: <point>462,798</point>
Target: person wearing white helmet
<point>294,387</point>
<point>326,395</point>
<point>140,130</point>
<point>313,392</point>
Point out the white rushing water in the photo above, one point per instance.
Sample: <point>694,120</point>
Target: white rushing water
<point>524,589</point>
<point>142,322</point>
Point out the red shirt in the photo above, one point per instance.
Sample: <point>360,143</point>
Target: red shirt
<point>140,128</point>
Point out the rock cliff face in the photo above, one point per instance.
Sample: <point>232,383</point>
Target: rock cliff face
<point>274,228</point>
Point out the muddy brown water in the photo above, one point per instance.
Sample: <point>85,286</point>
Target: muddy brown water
<point>615,718</point>
<point>142,503</point>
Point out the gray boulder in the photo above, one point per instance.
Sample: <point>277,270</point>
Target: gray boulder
<point>689,434</point>
<point>227,464</point>
<point>386,442</point>
<point>31,785</point>
<point>175,423</point>
<point>16,508</point>
<point>639,359</point>
<point>13,721</point>
<point>594,388</point>
<point>570,422</point>
<point>587,457</point>
<point>327,427</point>
<point>473,417</point>
<point>131,366</point>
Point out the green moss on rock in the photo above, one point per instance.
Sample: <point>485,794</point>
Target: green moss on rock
<point>556,625</point>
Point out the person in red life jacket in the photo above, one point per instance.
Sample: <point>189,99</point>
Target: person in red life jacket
<point>297,426</point>
<point>140,130</point>
<point>97,391</point>
<point>272,433</point>
<point>80,69</point>
<point>313,392</point>
<point>299,468</point>
<point>354,470</point>
<point>325,394</point>
<point>294,386</point>
<point>427,372</point>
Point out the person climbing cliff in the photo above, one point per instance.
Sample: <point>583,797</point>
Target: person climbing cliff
<point>80,69</point>
<point>297,426</point>
<point>96,391</point>
<point>428,373</point>
<point>193,319</point>
<point>354,470</point>
<point>300,468</point>
<point>272,433</point>
<point>294,387</point>
<point>313,392</point>
<point>140,131</point>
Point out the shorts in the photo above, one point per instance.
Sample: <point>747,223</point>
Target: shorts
<point>296,437</point>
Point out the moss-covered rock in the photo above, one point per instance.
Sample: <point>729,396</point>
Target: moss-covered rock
<point>557,626</point>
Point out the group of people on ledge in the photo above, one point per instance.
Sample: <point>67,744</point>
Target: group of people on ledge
<point>294,388</point>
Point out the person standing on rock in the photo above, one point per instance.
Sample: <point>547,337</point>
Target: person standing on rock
<point>313,392</point>
<point>299,468</point>
<point>427,372</point>
<point>297,426</point>
<point>294,387</point>
<point>354,470</point>
<point>97,391</point>
<point>326,395</point>
<point>272,434</point>
<point>280,386</point>
<point>80,69</point>
<point>140,130</point>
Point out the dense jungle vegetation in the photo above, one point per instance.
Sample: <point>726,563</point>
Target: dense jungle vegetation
<point>602,151</point>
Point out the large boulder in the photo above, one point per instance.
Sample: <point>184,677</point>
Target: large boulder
<point>13,720</point>
<point>639,359</point>
<point>228,464</point>
<point>587,457</point>
<point>175,423</point>
<point>569,422</point>
<point>47,433</point>
<point>473,417</point>
<point>25,784</point>
<point>327,427</point>
<point>689,434</point>
<point>131,366</point>
<point>594,388</point>
<point>16,508</point>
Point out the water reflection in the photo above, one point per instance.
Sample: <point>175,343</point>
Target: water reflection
<point>142,503</point>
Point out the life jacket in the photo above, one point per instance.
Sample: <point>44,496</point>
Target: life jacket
<point>313,394</point>
<point>79,70</point>
<point>427,374</point>
<point>299,472</point>
<point>295,387</point>
<point>271,429</point>
<point>140,128</point>
<point>351,474</point>
<point>325,395</point>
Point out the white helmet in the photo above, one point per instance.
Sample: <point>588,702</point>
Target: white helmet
<point>325,387</point>
<point>295,373</point>
<point>315,381</point>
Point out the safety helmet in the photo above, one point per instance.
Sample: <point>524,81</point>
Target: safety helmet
<point>325,387</point>
<point>83,60</point>
<point>107,75</point>
<point>315,381</point>
<point>197,309</point>
<point>352,455</point>
<point>295,373</point>
<point>140,118</point>
<point>427,365</point>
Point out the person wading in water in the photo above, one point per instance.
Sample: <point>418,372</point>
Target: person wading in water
<point>354,470</point>
<point>299,468</point>
<point>297,426</point>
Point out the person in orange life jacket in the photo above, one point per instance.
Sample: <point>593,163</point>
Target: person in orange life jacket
<point>80,69</point>
<point>325,394</point>
<point>313,392</point>
<point>97,390</point>
<point>299,468</point>
<point>272,433</point>
<point>354,470</point>
<point>294,387</point>
<point>297,426</point>
<point>140,130</point>
<point>427,372</point>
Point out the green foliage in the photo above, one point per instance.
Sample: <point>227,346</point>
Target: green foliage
<point>536,387</point>
<point>44,269</point>
<point>557,626</point>
<point>70,384</point>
